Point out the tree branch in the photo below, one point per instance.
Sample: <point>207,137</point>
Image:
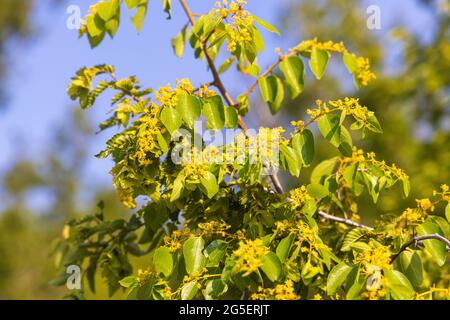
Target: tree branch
<point>219,85</point>
<point>343,220</point>
<point>418,239</point>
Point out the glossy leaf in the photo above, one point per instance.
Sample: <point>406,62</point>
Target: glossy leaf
<point>193,255</point>
<point>272,266</point>
<point>293,70</point>
<point>163,261</point>
<point>189,108</point>
<point>338,275</point>
<point>318,62</point>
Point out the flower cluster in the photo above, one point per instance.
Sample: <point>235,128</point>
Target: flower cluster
<point>352,107</point>
<point>444,194</point>
<point>309,45</point>
<point>263,147</point>
<point>214,228</point>
<point>167,96</point>
<point>369,158</point>
<point>373,259</point>
<point>147,140</point>
<point>412,216</point>
<point>363,72</point>
<point>250,255</point>
<point>142,276</point>
<point>173,242</point>
<point>280,292</point>
<point>298,197</point>
<point>298,228</point>
<point>425,204</point>
<point>239,29</point>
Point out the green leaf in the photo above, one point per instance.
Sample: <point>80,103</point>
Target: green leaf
<point>226,65</point>
<point>132,3</point>
<point>350,175</point>
<point>178,42</point>
<point>323,169</point>
<point>214,289</point>
<point>284,247</point>
<point>349,62</point>
<point>266,25</point>
<point>215,252</point>
<point>356,287</point>
<point>337,135</point>
<point>272,92</point>
<point>178,187</point>
<point>167,7</point>
<point>318,62</point>
<point>189,291</point>
<point>193,255</point>
<point>128,282</point>
<point>249,49</point>
<point>171,119</point>
<point>231,117</point>
<point>162,143</point>
<point>293,71</point>
<point>113,25</point>
<point>399,285</point>
<point>292,159</point>
<point>353,236</point>
<point>330,128</point>
<point>209,182</point>
<point>303,144</point>
<point>337,276</point>
<point>108,9</point>
<point>139,16</point>
<point>373,124</point>
<point>95,25</point>
<point>435,247</point>
<point>447,212</point>
<point>272,266</point>
<point>317,190</point>
<point>189,108</point>
<point>214,112</point>
<point>411,265</point>
<point>95,41</point>
<point>406,186</point>
<point>163,261</point>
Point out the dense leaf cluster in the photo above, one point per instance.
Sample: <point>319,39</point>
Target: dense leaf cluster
<point>212,224</point>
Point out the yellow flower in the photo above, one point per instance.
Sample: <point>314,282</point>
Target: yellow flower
<point>317,296</point>
<point>214,228</point>
<point>298,197</point>
<point>280,292</point>
<point>425,204</point>
<point>142,276</point>
<point>362,72</point>
<point>250,255</point>
<point>378,257</point>
<point>173,242</point>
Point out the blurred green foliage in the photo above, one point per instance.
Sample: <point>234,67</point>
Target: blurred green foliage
<point>14,24</point>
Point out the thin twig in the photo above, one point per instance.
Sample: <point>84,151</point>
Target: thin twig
<point>343,220</point>
<point>418,239</point>
<point>219,85</point>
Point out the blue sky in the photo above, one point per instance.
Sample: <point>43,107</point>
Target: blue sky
<point>42,70</point>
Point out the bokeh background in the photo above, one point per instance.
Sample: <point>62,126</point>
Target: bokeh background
<point>48,172</point>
